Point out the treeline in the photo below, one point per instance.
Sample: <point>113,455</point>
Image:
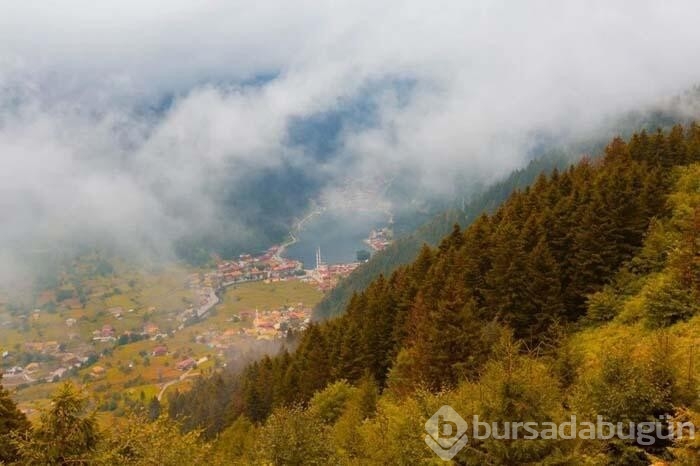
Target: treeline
<point>631,358</point>
<point>527,269</point>
<point>405,249</point>
<point>578,296</point>
<point>68,432</point>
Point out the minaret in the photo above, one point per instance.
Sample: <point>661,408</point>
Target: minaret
<point>318,258</point>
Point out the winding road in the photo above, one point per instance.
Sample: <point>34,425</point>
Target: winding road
<point>174,381</point>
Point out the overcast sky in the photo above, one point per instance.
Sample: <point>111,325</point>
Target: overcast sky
<point>109,110</point>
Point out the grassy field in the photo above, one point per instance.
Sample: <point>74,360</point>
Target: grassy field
<point>267,296</point>
<point>152,297</point>
<point>130,370</point>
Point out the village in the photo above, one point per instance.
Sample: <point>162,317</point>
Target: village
<point>269,267</point>
<point>380,239</point>
<point>76,356</point>
<point>260,325</point>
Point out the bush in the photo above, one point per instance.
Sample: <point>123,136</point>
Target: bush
<point>667,303</point>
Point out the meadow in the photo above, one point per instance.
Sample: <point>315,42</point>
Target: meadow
<point>129,300</point>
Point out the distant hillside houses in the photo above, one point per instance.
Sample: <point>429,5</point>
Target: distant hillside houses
<point>46,347</point>
<point>56,375</point>
<point>248,268</point>
<point>186,364</point>
<point>150,329</point>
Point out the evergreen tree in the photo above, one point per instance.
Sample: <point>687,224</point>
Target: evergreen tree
<point>13,423</point>
<point>67,432</point>
<point>550,255</point>
<point>153,409</point>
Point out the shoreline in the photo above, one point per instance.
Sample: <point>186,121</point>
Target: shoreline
<point>295,230</point>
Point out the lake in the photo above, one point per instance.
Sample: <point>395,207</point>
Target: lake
<point>339,234</point>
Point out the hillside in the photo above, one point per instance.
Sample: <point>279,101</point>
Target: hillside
<point>578,296</point>
<point>523,291</point>
<point>547,156</point>
<point>406,248</point>
<point>349,233</point>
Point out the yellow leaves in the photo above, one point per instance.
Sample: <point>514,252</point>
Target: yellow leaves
<point>634,309</point>
<point>149,443</point>
<point>686,449</point>
<point>395,435</point>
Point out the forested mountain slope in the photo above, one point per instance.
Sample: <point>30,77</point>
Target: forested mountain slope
<point>548,156</point>
<point>577,297</point>
<point>406,249</point>
<point>528,283</point>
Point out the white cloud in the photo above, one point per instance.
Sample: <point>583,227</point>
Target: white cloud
<point>77,146</point>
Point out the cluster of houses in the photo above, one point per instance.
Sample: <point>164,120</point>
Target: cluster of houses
<point>271,266</point>
<point>105,334</point>
<point>247,268</point>
<point>108,333</point>
<point>56,363</point>
<point>326,277</point>
<point>53,368</point>
<point>263,325</point>
<point>17,375</point>
<point>267,266</point>
<point>186,364</point>
<point>276,323</point>
<point>379,239</point>
<point>43,347</point>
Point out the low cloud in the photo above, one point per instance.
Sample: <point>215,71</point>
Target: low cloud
<point>137,121</point>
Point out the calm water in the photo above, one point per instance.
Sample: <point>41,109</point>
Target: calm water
<point>340,236</point>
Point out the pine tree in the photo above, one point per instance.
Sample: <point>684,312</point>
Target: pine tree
<point>506,281</point>
<point>447,345</point>
<point>543,290</point>
<point>13,423</point>
<point>66,434</point>
<point>154,409</point>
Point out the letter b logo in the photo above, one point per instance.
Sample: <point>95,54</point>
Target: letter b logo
<point>442,428</point>
<point>446,432</point>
